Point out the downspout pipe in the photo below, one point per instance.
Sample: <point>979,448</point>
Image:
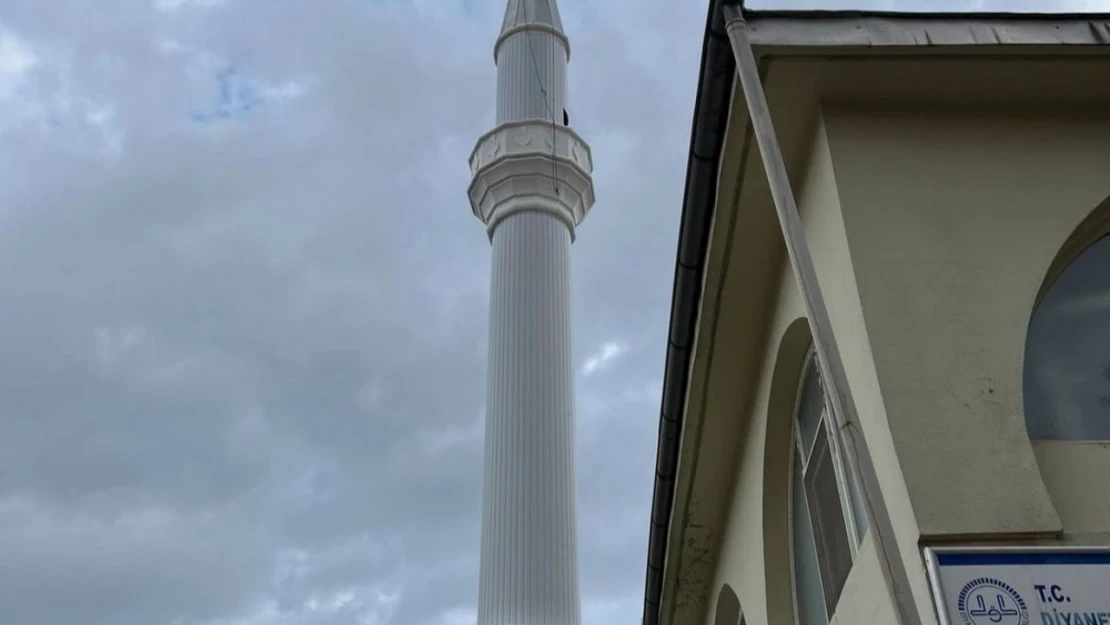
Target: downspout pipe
<point>837,391</point>
<point>711,109</point>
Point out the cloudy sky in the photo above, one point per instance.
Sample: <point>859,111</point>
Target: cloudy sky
<point>244,304</point>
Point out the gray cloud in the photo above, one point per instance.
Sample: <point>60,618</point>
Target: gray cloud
<point>244,312</point>
<point>244,331</point>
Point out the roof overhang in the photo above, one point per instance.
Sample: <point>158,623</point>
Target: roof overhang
<point>826,33</point>
<point>801,53</point>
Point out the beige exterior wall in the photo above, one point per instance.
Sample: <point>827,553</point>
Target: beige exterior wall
<point>932,232</point>
<point>759,506</point>
<point>953,219</point>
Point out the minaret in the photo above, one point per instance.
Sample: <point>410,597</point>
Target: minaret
<point>531,188</point>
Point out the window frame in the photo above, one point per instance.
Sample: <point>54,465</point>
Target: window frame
<point>825,427</point>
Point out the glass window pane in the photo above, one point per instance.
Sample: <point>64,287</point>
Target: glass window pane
<point>827,516</point>
<point>859,515</point>
<point>811,403</point>
<point>1067,353</point>
<point>728,608</point>
<point>810,598</point>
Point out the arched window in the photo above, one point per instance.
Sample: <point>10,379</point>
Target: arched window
<point>826,516</point>
<point>1067,352</point>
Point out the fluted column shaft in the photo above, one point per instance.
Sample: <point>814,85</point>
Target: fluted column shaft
<point>531,77</point>
<point>529,566</point>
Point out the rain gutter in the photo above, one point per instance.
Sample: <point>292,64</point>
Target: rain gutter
<point>711,109</point>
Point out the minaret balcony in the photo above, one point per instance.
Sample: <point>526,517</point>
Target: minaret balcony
<point>531,165</point>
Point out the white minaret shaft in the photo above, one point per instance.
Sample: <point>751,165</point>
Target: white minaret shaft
<point>531,187</point>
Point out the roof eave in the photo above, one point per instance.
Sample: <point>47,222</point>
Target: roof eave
<point>710,119</point>
<point>816,33</point>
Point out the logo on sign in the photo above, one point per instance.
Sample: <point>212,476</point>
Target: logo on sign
<point>988,601</point>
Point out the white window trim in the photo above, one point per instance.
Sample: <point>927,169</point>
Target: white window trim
<point>839,467</point>
<point>790,507</point>
<point>797,448</point>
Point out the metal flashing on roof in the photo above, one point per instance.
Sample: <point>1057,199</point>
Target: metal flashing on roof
<point>860,29</point>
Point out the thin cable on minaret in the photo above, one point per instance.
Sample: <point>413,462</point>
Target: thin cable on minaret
<point>547,97</point>
<point>550,109</point>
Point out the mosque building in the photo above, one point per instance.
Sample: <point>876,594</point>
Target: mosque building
<point>887,387</point>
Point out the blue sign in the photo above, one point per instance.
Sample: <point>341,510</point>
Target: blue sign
<point>1021,585</point>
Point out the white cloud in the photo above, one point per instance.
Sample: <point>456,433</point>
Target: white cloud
<point>459,616</point>
<point>174,5</point>
<point>603,357</point>
<point>41,94</point>
<point>17,59</point>
<point>444,440</point>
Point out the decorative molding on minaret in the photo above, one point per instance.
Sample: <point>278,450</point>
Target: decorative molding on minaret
<point>531,186</point>
<point>512,171</point>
